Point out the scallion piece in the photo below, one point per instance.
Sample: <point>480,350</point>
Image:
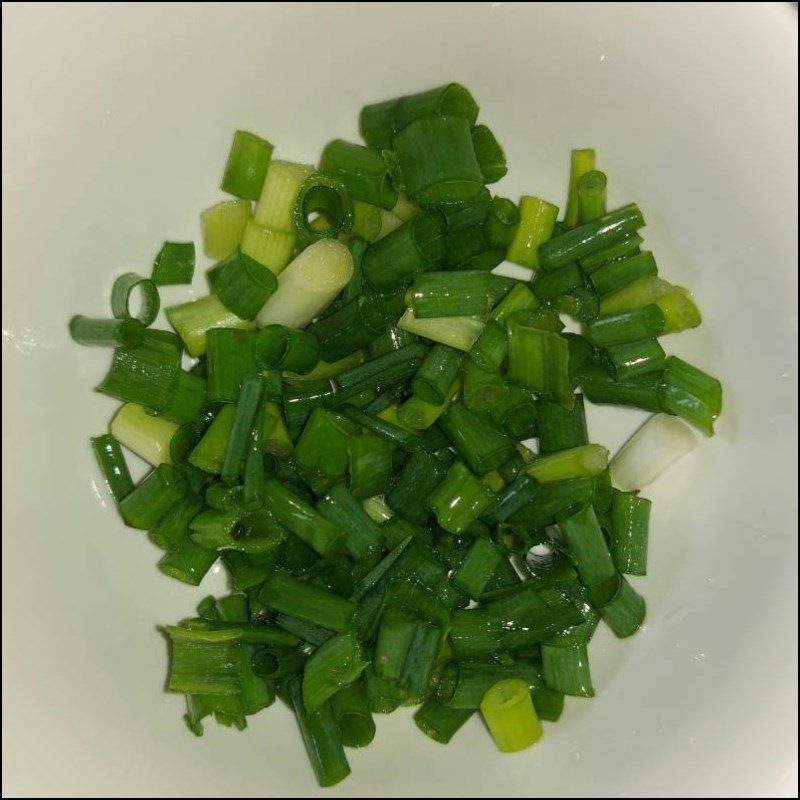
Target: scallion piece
<point>368,221</point>
<point>122,292</point>
<point>300,399</point>
<point>469,249</point>
<point>173,528</point>
<point>242,284</point>
<point>247,166</point>
<point>188,562</point>
<point>561,428</point>
<point>490,155</point>
<point>459,499</point>
<point>113,466</point>
<point>279,347</point>
<point>590,237</point>
<point>301,519</point>
<point>328,198</point>
<point>305,601</point>
<point>642,392</point>
<point>628,246</point>
<point>615,275</point>
<point>338,663</point>
<point>414,247</point>
<point>451,294</point>
<point>457,332</point>
<point>656,445</point>
<point>352,715</point>
<point>249,413</point>
<point>439,722</point>
<point>363,537</point>
<point>581,162</point>
<point>321,737</point>
<point>269,247</point>
<point>436,374</point>
<point>230,358</point>
<point>418,414</point>
<point>627,326</point>
<point>630,520</point>
<point>308,285</point>
<point>209,453</point>
<point>147,373</point>
<point>160,489</point>
<point>476,438</point>
<point>584,461</point>
<point>633,359</point>
<point>147,436</point>
<point>363,172</point>
<point>406,440</point>
<point>591,196</point>
<point>538,359</point>
<point>691,394</point>
<point>193,320</point>
<point>480,562</point>
<point>489,351</point>
<point>679,310</point>
<point>587,548</point>
<point>420,475</point>
<point>174,264</point>
<point>482,390</point>
<point>379,122</point>
<point>508,711</point>
<point>566,669</point>
<point>624,613</point>
<point>463,684</point>
<point>552,285</point>
<point>223,226</point>
<point>370,465</point>
<point>537,219</point>
<point>637,294</point>
<point>519,298</point>
<point>128,332</point>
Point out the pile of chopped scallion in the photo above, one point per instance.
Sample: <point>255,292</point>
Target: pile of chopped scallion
<point>347,440</point>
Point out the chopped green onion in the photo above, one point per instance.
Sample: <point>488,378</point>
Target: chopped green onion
<point>591,196</point>
<point>308,285</point>
<point>420,475</point>
<point>538,359</point>
<point>459,499</point>
<point>587,548</point>
<point>363,537</point>
<point>113,466</point>
<point>414,247</point>
<point>630,519</point>
<point>439,722</point>
<point>508,711</point>
<point>402,438</point>
<point>147,436</point>
<point>160,489</point>
<point>247,166</point>
<point>482,390</point>
<point>269,247</point>
<point>336,664</point>
<point>584,461</point>
<point>458,332</point>
<point>305,601</point>
<point>590,237</point>
<point>209,453</point>
<point>451,294</point>
<point>437,160</point>
<point>323,446</point>
<point>476,438</point>
<point>352,715</point>
<point>379,122</point>
<point>321,737</point>
<point>637,294</point>
<point>469,249</point>
<point>691,394</point>
<point>205,662</point>
<point>230,358</point>
<point>361,170</point>
<point>561,428</point>
<point>480,562</point>
<point>188,400</point>
<point>223,226</point>
<point>633,359</point>
<point>463,684</point>
<point>301,398</point>
<point>520,298</point>
<point>122,291</point>
<point>173,528</point>
<point>194,319</point>
<point>418,414</point>
<point>276,205</point>
<point>188,562</point>
<point>552,285</point>
<point>679,310</point>
<point>642,392</point>
<point>242,284</point>
<point>174,264</point>
<point>128,332</point>
<point>489,351</point>
<point>566,669</point>
<point>279,347</point>
<point>301,519</point>
<point>536,222</point>
<point>490,155</point>
<point>627,326</point>
<point>370,466</point>
<point>627,246</point>
<point>436,374</point>
<point>328,198</point>
<point>656,445</point>
<point>615,275</point>
<point>581,162</point>
<point>249,413</point>
<point>146,374</point>
<point>624,613</point>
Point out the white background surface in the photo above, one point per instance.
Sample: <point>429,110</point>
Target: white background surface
<point>116,126</point>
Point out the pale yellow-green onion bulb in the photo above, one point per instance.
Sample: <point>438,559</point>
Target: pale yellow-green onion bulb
<point>308,285</point>
<point>143,434</point>
<point>275,207</point>
<point>510,716</point>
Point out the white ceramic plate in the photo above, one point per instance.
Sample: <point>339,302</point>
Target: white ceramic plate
<point>116,124</point>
